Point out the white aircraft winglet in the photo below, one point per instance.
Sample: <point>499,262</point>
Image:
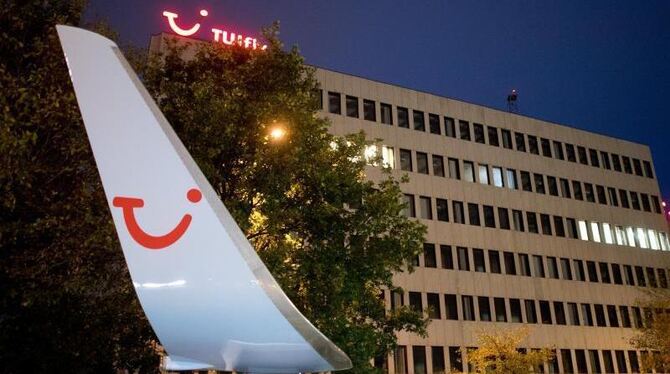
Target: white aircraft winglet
<point>211,301</point>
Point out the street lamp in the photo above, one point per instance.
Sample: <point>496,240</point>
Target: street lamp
<point>277,133</point>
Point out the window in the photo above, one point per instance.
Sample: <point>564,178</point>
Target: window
<point>566,359</point>
<point>415,301</point>
<point>553,186</point>
<point>478,257</point>
<point>593,154</point>
<point>587,317</point>
<point>616,162</point>
<point>369,110</point>
<point>616,274</point>
<point>483,174</point>
<point>581,152</point>
<point>608,362</point>
<point>405,160</point>
<point>422,163</point>
<point>352,106</point>
<point>626,165</point>
<point>410,210</point>
<point>438,360</point>
<point>497,176</point>
<point>464,130</point>
<point>515,310</point>
<point>604,272</point>
<point>538,265</point>
<point>558,226</point>
<point>579,271</point>
<point>648,171</point>
<point>510,265</point>
<point>419,123</point>
<point>449,127</point>
<point>621,361</point>
<point>565,188</point>
<point>525,181</point>
<point>419,355</point>
<point>588,188</point>
<point>479,133</point>
<point>637,167</point>
<point>580,357</point>
<point>546,224</point>
<point>511,179</point>
<point>400,359</point>
<point>656,204</point>
<point>434,124</point>
<point>503,218</point>
<point>500,310</point>
<point>546,147</point>
<point>577,188</point>
<point>396,299</point>
<point>451,310</point>
<point>559,313</point>
<point>613,197</point>
<point>468,308</point>
<point>403,117</point>
<point>573,314</point>
<point>517,216</point>
<point>520,140</point>
<point>454,171</point>
<point>623,195</point>
<point>455,360</point>
<point>572,228</point>
<point>628,275</point>
<point>558,150</point>
<point>612,316</point>
<point>425,207</point>
<point>386,114</point>
<point>645,202</point>
<point>600,315</point>
<point>634,364</point>
<point>570,152</point>
<point>334,103</point>
<point>651,275</point>
<point>602,199</point>
<point>566,271</point>
<point>524,264</point>
<point>531,313</point>
<point>531,219</point>
<point>532,145</point>
<point>484,308</point>
<point>473,214</point>
<point>606,160</point>
<point>552,267</point>
<point>447,257</point>
<point>429,257</point>
<point>442,207</point>
<point>494,261</point>
<point>539,182</point>
<point>493,136</point>
<point>634,202</point>
<point>468,171</point>
<point>637,317</point>
<point>662,278</point>
<point>594,360</point>
<point>506,138</point>
<point>433,306</point>
<point>459,214</point>
<point>463,259</point>
<point>489,217</point>
<point>593,273</point>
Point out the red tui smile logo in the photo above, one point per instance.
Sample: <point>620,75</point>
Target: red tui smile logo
<point>128,204</point>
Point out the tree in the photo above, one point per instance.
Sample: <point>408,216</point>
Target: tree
<point>66,300</point>
<point>332,238</point>
<point>499,352</point>
<point>654,336</point>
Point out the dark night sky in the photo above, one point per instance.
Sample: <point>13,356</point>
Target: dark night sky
<point>603,66</point>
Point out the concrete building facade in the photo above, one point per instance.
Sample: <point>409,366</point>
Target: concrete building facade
<point>530,224</point>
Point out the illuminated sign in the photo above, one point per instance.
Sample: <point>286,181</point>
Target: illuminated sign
<point>219,35</point>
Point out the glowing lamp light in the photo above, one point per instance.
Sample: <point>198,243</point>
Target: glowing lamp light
<point>204,12</point>
<point>277,134</point>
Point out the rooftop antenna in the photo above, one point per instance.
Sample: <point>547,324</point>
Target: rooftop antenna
<point>512,106</point>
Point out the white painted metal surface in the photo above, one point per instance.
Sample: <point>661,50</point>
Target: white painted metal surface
<point>210,299</point>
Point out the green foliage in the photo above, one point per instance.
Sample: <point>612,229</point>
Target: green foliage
<point>654,336</point>
<point>331,238</point>
<point>66,301</point>
<point>498,353</point>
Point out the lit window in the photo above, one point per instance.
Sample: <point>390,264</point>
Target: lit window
<point>630,233</point>
<point>664,241</point>
<point>642,238</point>
<point>483,174</point>
<point>595,230</point>
<point>497,177</point>
<point>388,157</point>
<point>511,179</point>
<point>583,231</point>
<point>370,154</point>
<point>620,235</point>
<point>607,231</point>
<point>468,171</point>
<point>653,239</point>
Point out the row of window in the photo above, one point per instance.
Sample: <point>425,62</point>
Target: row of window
<point>498,309</point>
<point>529,265</point>
<point>532,222</point>
<point>564,360</point>
<point>488,135</point>
<point>531,182</point>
